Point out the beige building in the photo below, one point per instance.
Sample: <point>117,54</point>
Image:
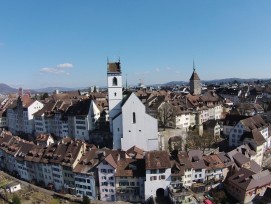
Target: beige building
<point>246,184</point>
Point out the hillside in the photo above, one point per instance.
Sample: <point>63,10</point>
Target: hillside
<point>5,89</point>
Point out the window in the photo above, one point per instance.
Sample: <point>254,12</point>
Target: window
<point>153,178</point>
<point>161,171</point>
<point>115,81</point>
<point>153,171</point>
<point>162,177</point>
<point>124,183</point>
<point>134,117</point>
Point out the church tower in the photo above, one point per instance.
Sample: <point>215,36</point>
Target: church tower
<point>114,85</point>
<point>195,85</point>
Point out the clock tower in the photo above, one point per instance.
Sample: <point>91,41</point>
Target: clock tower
<point>114,85</point>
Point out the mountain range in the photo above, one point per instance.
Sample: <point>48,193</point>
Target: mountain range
<point>5,89</point>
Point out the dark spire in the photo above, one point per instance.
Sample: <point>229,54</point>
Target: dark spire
<point>194,75</point>
<point>194,67</point>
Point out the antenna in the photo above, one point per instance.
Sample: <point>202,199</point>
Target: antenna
<point>126,81</point>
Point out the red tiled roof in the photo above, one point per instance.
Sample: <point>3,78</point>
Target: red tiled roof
<point>157,160</point>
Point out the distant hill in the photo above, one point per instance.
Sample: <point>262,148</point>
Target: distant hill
<point>215,81</point>
<point>52,89</point>
<point>172,83</point>
<point>229,80</point>
<point>5,89</point>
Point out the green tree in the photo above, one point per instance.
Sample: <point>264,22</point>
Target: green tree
<point>86,200</point>
<point>16,199</point>
<point>44,96</point>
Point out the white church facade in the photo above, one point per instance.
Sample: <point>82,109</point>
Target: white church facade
<point>129,122</point>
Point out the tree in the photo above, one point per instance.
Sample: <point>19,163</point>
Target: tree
<point>86,200</point>
<point>44,96</point>
<point>16,199</point>
<point>195,141</point>
<point>166,115</point>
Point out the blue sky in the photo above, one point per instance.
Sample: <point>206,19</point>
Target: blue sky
<point>67,42</point>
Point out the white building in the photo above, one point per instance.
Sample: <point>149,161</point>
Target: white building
<point>13,187</point>
<point>198,164</point>
<point>134,127</point>
<point>129,122</point>
<point>114,85</point>
<point>158,173</point>
<point>85,174</point>
<point>183,119</point>
<point>20,115</point>
<point>106,174</point>
<point>247,125</point>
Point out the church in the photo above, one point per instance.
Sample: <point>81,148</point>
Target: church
<point>129,122</point>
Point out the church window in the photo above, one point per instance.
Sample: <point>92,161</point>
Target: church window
<point>115,81</point>
<point>134,117</point>
<point>115,94</point>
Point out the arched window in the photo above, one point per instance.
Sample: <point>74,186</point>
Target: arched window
<point>134,117</point>
<point>115,81</point>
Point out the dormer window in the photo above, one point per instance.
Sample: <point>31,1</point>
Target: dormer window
<point>115,81</point>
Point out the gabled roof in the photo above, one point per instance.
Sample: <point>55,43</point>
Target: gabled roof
<point>213,161</point>
<point>81,107</point>
<point>157,160</point>
<point>253,122</point>
<point>135,152</point>
<point>232,120</point>
<point>131,167</point>
<point>88,161</point>
<point>248,180</point>
<point>240,159</point>
<point>255,135</point>
<point>110,160</point>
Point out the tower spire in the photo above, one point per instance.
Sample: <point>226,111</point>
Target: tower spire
<point>194,67</point>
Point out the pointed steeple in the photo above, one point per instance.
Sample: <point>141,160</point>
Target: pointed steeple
<point>194,75</point>
<point>195,86</point>
<point>194,67</point>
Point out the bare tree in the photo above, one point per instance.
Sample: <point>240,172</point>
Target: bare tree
<point>195,141</point>
<point>166,115</point>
